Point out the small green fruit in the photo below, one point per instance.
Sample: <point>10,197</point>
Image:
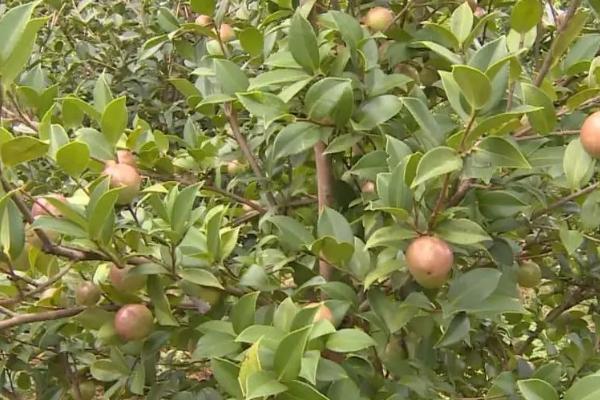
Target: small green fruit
<point>529,274</point>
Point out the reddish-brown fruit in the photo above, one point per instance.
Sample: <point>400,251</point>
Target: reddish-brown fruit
<point>590,135</point>
<point>226,33</point>
<point>87,294</point>
<point>134,322</point>
<point>125,176</point>
<point>368,187</point>
<point>203,20</point>
<point>324,313</point>
<point>379,18</point>
<point>42,206</point>
<point>126,157</point>
<point>124,281</point>
<point>479,12</point>
<point>429,260</point>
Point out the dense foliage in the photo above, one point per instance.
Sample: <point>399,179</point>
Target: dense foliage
<point>337,200</point>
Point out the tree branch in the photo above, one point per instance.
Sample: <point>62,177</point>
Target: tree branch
<point>461,192</point>
<point>324,193</point>
<point>252,160</point>
<point>565,200</point>
<point>39,289</point>
<point>41,316</point>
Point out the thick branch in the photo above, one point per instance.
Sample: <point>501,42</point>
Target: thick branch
<point>550,56</point>
<point>324,193</point>
<point>461,192</point>
<point>38,317</point>
<point>252,160</point>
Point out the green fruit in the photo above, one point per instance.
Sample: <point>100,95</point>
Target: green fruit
<point>529,274</point>
<point>134,322</point>
<point>379,18</point>
<point>87,389</point>
<point>429,260</point>
<point>87,294</point>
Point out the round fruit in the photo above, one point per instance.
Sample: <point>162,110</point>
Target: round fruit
<point>590,135</point>
<point>379,18</point>
<point>529,274</point>
<point>210,295</point>
<point>479,12</point>
<point>203,20</point>
<point>124,281</point>
<point>42,206</point>
<point>324,313</point>
<point>126,157</point>
<point>87,390</point>
<point>234,167</point>
<point>368,187</point>
<point>87,294</point>
<point>125,176</point>
<point>134,322</point>
<point>226,33</point>
<point>429,260</point>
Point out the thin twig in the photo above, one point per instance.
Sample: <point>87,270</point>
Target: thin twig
<point>566,199</point>
<point>41,316</point>
<point>39,289</point>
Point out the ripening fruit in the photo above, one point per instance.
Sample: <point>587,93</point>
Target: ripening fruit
<point>479,12</point>
<point>590,135</point>
<point>87,294</point>
<point>324,313</point>
<point>368,187</point>
<point>235,167</point>
<point>124,281</point>
<point>429,260</point>
<point>126,157</point>
<point>203,20</point>
<point>42,206</point>
<point>529,274</point>
<point>226,33</point>
<point>125,176</point>
<point>87,389</point>
<point>379,18</point>
<point>134,322</point>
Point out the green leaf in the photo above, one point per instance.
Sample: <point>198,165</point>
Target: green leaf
<point>114,120</point>
<point>586,388</point>
<point>252,41</point>
<point>288,356</point>
<point>442,51</point>
<point>102,213</point>
<point>206,7</point>
<point>436,162</point>
<point>537,389</point>
<point>12,229</point>
<point>392,236</point>
<point>242,313</point>
<point>569,34</point>
<point>291,231</point>
<point>263,105</point>
<point>376,111</point>
<point>577,164</point>
<point>431,134</point>
<point>200,277</point>
<point>182,209</point>
<point>102,93</point>
<point>61,226</point>
<point>297,138</point>
<point>453,93</point>
<point>499,203</point>
<point>22,149</point>
<point>330,101</point>
<point>461,231</point>
<point>470,289</point>
<point>277,77</point>
<point>349,340</point>
<point>231,77</point>
<point>461,21</point>
<point>302,43</point>
<point>543,120</point>
<point>502,153</point>
<point>138,378</point>
<point>11,67</point>
<point>474,85</point>
<point>250,365</point>
<point>73,157</point>
<point>226,374</point>
<point>12,27</point>
<point>298,390</point>
<point>105,371</point>
<point>215,344</point>
<point>254,333</point>
<point>332,223</point>
<point>571,239</point>
<point>262,384</point>
<point>162,308</point>
<point>525,15</point>
<point>457,331</point>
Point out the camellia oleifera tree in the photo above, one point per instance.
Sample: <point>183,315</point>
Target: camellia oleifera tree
<point>327,200</point>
